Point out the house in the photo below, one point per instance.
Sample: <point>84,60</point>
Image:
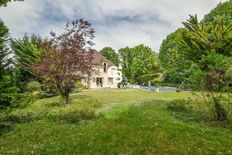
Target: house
<point>105,74</point>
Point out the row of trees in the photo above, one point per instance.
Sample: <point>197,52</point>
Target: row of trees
<point>54,65</point>
<point>139,64</point>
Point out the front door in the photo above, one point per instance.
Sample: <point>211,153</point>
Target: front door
<point>99,82</point>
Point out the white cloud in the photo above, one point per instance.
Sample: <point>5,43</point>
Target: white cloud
<point>118,23</point>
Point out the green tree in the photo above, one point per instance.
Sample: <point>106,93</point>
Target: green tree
<point>201,40</point>
<point>206,45</point>
<point>187,45</point>
<point>222,11</point>
<point>27,51</point>
<point>171,57</point>
<point>110,54</point>
<point>3,52</point>
<point>8,91</point>
<point>126,57</point>
<point>139,64</point>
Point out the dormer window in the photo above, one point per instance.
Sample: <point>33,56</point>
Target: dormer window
<point>105,67</point>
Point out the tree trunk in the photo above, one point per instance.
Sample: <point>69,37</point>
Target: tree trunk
<point>65,94</point>
<point>66,98</point>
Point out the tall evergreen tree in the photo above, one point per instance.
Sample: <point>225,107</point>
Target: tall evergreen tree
<point>3,52</point>
<point>27,51</point>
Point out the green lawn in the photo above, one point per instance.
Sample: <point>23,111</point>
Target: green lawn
<point>111,122</point>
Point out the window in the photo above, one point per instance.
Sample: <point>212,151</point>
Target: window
<point>105,67</point>
<point>99,82</point>
<point>110,81</point>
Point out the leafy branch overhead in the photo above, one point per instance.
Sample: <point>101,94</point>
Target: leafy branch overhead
<point>4,2</point>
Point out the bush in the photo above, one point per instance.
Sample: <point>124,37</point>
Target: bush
<point>33,86</point>
<point>215,91</point>
<point>76,116</point>
<point>4,125</point>
<point>23,100</point>
<point>79,86</point>
<point>22,116</point>
<point>8,92</point>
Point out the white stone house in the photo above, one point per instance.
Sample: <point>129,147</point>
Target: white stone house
<point>105,74</point>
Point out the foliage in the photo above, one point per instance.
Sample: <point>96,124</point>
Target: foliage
<point>171,57</point>
<point>126,57</point>
<point>78,115</point>
<point>215,91</point>
<point>53,110</point>
<point>206,47</point>
<point>111,55</point>
<point>75,57</point>
<point>201,40</point>
<point>8,92</point>
<point>139,64</point>
<point>4,2</point>
<point>3,53</point>
<point>79,85</point>
<point>27,51</point>
<point>33,86</point>
<point>191,44</point>
<point>222,11</point>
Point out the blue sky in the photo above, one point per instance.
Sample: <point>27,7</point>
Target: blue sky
<point>118,23</point>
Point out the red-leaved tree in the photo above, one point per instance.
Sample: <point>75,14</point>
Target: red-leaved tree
<point>67,58</point>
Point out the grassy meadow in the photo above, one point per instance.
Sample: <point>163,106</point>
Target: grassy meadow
<point>108,122</point>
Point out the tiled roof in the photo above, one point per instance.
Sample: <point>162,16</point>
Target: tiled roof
<point>98,59</point>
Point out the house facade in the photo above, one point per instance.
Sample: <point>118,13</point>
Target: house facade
<point>105,74</point>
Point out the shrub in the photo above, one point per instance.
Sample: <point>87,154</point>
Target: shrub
<point>76,116</point>
<point>33,86</point>
<point>79,86</point>
<point>8,92</point>
<point>215,89</point>
<point>4,126</point>
<point>23,100</point>
<point>21,116</point>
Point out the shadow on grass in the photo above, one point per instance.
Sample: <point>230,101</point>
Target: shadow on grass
<point>192,117</point>
<point>80,97</point>
<point>5,127</point>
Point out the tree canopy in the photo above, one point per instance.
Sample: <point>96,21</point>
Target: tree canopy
<point>197,41</point>
<point>138,62</point>
<point>26,52</point>
<point>3,52</point>
<point>222,11</point>
<point>4,2</point>
<point>110,54</point>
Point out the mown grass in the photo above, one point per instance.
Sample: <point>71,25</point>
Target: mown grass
<point>129,122</point>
